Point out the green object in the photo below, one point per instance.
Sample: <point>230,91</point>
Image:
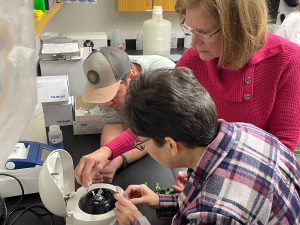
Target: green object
<point>169,190</point>
<point>146,183</point>
<point>157,187</point>
<point>39,5</point>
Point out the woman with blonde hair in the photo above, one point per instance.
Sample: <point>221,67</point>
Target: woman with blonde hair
<point>253,76</point>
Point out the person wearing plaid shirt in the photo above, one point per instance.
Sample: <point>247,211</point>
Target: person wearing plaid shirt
<point>238,173</point>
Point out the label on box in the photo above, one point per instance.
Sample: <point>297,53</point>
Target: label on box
<point>53,89</point>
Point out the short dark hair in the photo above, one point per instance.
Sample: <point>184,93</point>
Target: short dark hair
<point>171,103</point>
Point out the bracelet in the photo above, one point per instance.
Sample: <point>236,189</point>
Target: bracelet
<point>125,161</point>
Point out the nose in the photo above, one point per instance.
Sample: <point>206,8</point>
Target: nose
<point>195,41</point>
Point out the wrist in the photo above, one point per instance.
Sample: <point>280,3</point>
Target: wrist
<point>106,152</point>
<point>123,160</point>
<point>118,162</point>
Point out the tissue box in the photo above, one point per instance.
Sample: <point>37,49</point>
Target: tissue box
<point>60,113</point>
<point>86,123</point>
<point>53,89</point>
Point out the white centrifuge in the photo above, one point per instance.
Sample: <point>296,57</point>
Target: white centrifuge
<point>83,207</point>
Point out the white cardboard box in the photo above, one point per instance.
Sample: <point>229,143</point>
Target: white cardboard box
<point>87,127</point>
<point>53,89</point>
<point>74,68</point>
<point>86,124</point>
<point>59,113</point>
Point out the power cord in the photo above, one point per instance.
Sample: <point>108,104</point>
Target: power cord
<point>16,207</point>
<point>3,217</point>
<point>30,209</point>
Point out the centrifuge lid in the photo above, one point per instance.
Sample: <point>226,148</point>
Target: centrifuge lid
<point>56,180</point>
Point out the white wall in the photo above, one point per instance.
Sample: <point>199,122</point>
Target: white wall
<point>103,16</point>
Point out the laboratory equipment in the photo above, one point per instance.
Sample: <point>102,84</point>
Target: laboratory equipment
<point>81,207</point>
<point>27,154</point>
<point>157,34</point>
<point>86,39</point>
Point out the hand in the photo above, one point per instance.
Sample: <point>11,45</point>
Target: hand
<point>181,180</point>
<point>106,175</point>
<point>90,165</point>
<point>141,194</point>
<point>125,211</point>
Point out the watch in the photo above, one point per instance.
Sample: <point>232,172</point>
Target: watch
<point>125,161</point>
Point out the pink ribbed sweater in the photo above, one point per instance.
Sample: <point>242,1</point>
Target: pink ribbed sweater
<point>265,92</point>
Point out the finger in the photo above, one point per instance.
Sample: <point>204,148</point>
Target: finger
<point>178,187</point>
<point>78,170</point>
<point>132,190</point>
<point>137,201</point>
<point>182,173</point>
<point>121,200</point>
<point>87,174</point>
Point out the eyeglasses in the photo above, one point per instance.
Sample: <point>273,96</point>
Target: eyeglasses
<point>140,145</point>
<point>204,36</point>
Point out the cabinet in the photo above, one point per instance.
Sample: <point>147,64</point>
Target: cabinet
<point>40,23</point>
<point>134,5</point>
<point>168,5</point>
<point>143,5</point>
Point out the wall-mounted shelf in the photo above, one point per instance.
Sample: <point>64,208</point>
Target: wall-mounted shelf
<point>44,20</point>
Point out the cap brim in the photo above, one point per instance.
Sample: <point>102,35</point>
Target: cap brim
<point>100,95</point>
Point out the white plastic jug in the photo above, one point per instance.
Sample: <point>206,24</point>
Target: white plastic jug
<point>157,34</point>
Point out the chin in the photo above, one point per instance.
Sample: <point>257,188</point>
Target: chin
<point>206,56</point>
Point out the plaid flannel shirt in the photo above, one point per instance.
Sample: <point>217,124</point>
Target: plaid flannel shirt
<point>246,176</point>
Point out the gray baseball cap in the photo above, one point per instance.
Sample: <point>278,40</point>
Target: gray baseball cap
<point>104,70</point>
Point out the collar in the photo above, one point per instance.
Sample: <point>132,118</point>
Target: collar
<point>215,153</point>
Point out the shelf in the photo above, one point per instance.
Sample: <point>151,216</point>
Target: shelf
<point>41,22</point>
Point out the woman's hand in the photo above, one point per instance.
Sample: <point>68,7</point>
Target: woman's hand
<point>141,194</point>
<point>106,175</point>
<point>181,180</point>
<point>126,212</point>
<point>90,165</point>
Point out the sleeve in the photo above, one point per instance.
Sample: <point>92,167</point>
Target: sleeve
<point>121,144</point>
<point>208,218</point>
<point>168,206</point>
<point>285,117</point>
<point>141,221</point>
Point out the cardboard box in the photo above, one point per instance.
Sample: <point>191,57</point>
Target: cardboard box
<point>87,127</point>
<point>88,123</point>
<point>53,89</point>
<point>60,113</point>
<point>74,68</point>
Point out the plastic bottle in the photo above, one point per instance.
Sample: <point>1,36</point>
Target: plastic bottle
<point>118,40</point>
<point>187,40</point>
<point>174,41</point>
<point>157,34</point>
<point>55,137</point>
<point>139,41</point>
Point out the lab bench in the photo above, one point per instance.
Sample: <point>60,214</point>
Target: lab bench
<point>139,172</point>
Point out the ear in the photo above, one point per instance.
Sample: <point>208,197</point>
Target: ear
<point>132,74</point>
<point>173,145</point>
